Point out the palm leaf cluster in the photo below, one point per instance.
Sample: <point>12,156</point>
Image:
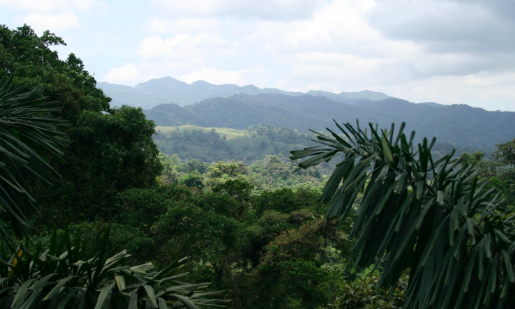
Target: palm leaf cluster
<point>28,134</point>
<point>71,274</point>
<point>431,217</point>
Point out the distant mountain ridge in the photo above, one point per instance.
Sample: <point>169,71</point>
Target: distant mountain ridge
<point>459,125</point>
<point>170,102</point>
<point>351,97</point>
<point>170,90</point>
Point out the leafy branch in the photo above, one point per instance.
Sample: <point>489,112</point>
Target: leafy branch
<point>435,218</point>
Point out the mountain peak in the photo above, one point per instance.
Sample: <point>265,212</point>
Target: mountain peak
<point>168,89</point>
<point>201,82</point>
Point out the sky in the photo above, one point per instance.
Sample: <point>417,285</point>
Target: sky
<point>444,51</point>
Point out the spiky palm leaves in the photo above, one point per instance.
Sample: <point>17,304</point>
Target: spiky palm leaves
<point>88,277</point>
<point>28,133</point>
<point>432,217</point>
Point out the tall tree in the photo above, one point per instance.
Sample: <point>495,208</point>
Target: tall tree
<point>29,58</point>
<point>110,150</point>
<point>506,152</point>
<point>433,218</point>
<point>108,154</point>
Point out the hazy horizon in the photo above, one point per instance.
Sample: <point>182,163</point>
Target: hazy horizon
<point>239,85</point>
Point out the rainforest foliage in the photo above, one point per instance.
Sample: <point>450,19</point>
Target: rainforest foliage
<point>95,216</point>
<point>222,144</point>
<point>209,144</point>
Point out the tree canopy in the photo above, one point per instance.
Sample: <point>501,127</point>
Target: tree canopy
<point>109,150</point>
<point>29,58</point>
<point>506,152</point>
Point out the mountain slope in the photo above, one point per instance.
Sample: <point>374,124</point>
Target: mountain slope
<point>457,124</point>
<point>125,95</point>
<point>240,111</point>
<point>460,125</point>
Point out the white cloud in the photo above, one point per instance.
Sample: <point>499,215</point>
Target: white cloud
<point>338,72</point>
<point>54,22</point>
<point>128,74</point>
<point>183,25</point>
<point>191,57</point>
<point>447,26</point>
<point>261,9</point>
<point>44,6</point>
<point>338,27</point>
<point>186,46</point>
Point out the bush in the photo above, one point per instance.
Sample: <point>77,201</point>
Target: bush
<point>362,293</point>
<point>69,273</point>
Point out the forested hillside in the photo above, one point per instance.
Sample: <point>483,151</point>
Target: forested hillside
<point>241,111</point>
<point>170,90</point>
<point>456,124</point>
<point>459,125</point>
<point>221,144</point>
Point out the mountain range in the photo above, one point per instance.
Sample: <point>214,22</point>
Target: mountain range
<point>170,90</point>
<point>459,125</point>
<point>232,106</point>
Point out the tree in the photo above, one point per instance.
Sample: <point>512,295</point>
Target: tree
<point>486,168</point>
<point>203,227</point>
<point>238,189</point>
<point>506,152</point>
<point>110,150</point>
<point>28,132</point>
<point>28,57</point>
<point>108,154</point>
<point>433,218</point>
<point>192,180</point>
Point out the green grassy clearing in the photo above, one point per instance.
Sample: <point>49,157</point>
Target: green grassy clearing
<point>229,133</point>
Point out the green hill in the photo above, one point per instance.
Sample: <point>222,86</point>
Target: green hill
<point>223,144</point>
<point>457,124</point>
<point>240,111</point>
<point>460,125</point>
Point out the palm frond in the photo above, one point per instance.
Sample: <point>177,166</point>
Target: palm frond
<point>89,277</point>
<point>434,218</point>
<point>28,135</point>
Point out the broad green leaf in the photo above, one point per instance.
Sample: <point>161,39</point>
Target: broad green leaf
<point>386,151</point>
<point>102,297</point>
<point>151,295</point>
<point>57,288</point>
